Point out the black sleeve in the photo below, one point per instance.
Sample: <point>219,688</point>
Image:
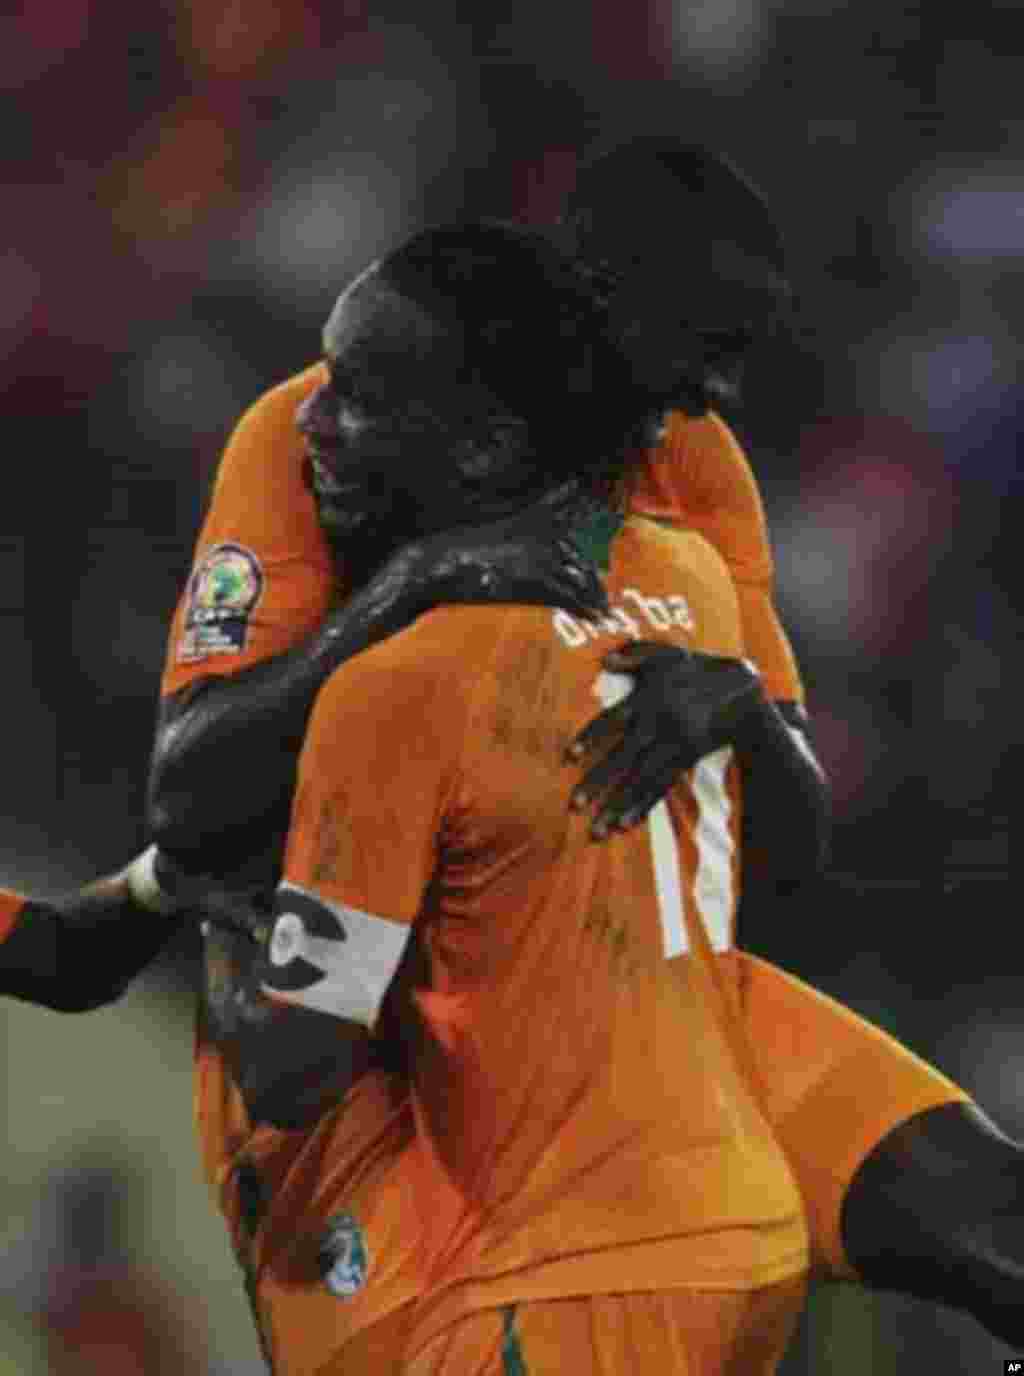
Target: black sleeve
<point>81,952</point>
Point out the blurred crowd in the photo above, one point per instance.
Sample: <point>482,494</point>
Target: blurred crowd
<point>191,181</point>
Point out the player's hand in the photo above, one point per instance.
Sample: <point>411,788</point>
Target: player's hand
<point>683,706</point>
<point>528,558</point>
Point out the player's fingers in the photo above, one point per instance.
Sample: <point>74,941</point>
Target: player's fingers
<point>632,796</point>
<point>557,591</point>
<point>557,582</point>
<point>608,726</point>
<point>619,763</point>
<point>584,581</point>
<point>596,784</point>
<point>232,916</point>
<point>639,653</point>
<point>587,608</point>
<point>585,594</point>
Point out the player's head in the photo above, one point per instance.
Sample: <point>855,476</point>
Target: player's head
<point>691,258</point>
<point>470,373</point>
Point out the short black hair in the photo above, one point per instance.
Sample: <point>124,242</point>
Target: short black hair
<point>692,261</point>
<point>527,321</point>
<point>664,198</point>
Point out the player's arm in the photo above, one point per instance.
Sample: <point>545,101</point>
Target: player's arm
<point>716,493</point>
<point>685,705</point>
<point>376,778</point>
<point>907,1185</point>
<point>936,1210</point>
<point>81,951</point>
<point>700,479</point>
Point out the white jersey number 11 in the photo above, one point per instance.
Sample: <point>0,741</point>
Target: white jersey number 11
<point>713,882</point>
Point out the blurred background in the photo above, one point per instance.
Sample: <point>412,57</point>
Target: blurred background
<point>189,183</point>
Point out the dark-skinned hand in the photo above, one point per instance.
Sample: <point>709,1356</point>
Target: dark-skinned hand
<point>527,558</point>
<point>684,705</point>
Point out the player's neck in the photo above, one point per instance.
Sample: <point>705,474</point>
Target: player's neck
<point>593,530</point>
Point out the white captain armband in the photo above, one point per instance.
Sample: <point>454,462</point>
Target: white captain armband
<point>330,957</point>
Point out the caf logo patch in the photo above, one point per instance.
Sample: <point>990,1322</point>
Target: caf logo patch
<point>343,1256</point>
<point>224,588</point>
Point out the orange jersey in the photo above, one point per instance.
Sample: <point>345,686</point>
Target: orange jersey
<point>263,577</point>
<point>700,479</point>
<point>832,1085</point>
<point>583,1119</point>
<point>684,1331</point>
<point>11,905</point>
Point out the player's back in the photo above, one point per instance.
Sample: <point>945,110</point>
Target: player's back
<point>575,1081</point>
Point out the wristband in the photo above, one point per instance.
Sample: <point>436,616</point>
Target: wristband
<point>144,886</point>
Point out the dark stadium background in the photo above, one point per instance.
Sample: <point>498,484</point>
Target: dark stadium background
<point>188,184</point>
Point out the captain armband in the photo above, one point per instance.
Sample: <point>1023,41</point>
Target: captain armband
<point>329,957</point>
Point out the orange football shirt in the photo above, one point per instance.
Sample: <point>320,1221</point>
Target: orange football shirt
<point>700,479</point>
<point>578,1087</point>
<point>262,576</point>
<point>11,905</point>
<point>832,1085</point>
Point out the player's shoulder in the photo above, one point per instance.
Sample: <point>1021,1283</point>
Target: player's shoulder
<point>658,546</point>
<point>712,462</point>
<point>265,438</point>
<point>665,576</point>
<point>11,905</point>
<point>280,402</point>
<point>711,422</point>
<point>682,431</point>
<point>435,659</point>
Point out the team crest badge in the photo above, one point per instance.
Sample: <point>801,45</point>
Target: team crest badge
<point>343,1256</point>
<point>224,588</point>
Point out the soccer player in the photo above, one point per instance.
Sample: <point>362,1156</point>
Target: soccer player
<point>583,1123</point>
<point>907,1184</point>
<point>254,1065</point>
<point>231,694</point>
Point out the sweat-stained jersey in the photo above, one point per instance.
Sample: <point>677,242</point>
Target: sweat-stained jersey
<point>583,1119</point>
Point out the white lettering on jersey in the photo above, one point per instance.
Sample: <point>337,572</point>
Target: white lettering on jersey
<point>659,613</point>
<point>713,888</point>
